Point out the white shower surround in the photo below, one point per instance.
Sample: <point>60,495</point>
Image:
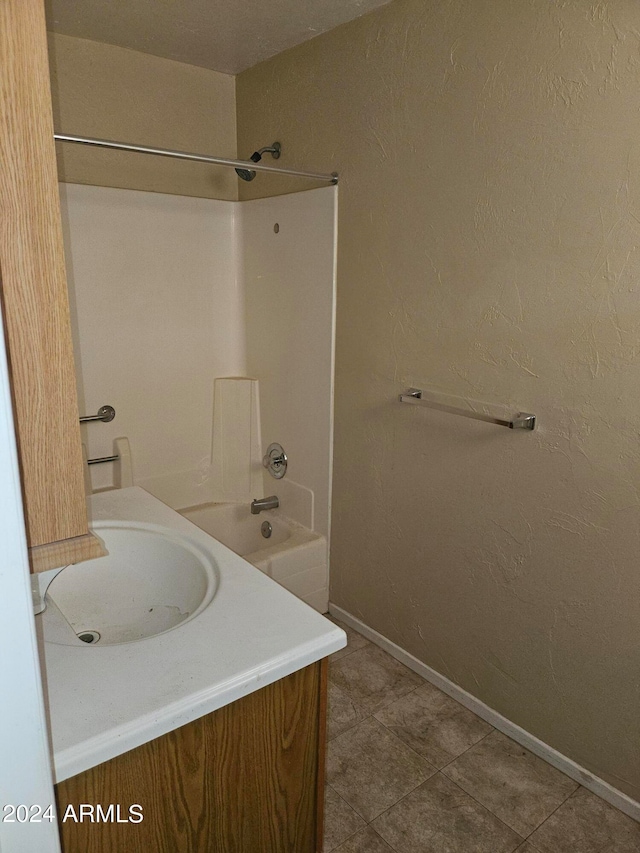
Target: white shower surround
<point>170,292</point>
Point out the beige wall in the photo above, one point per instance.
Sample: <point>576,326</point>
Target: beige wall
<point>489,247</point>
<point>112,93</point>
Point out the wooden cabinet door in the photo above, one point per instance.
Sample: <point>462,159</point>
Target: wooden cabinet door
<point>248,778</point>
<point>35,300</point>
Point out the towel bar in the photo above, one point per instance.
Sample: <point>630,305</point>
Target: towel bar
<point>105,414</point>
<point>522,420</point>
<point>98,460</point>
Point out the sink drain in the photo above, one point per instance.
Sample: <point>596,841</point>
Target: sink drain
<point>89,636</point>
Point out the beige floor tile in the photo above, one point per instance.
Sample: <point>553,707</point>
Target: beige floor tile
<point>372,678</point>
<point>513,783</point>
<point>586,824</point>
<point>355,640</point>
<point>340,820</point>
<point>343,714</point>
<point>526,848</point>
<point>437,817</point>
<point>434,725</point>
<point>371,769</point>
<point>365,841</point>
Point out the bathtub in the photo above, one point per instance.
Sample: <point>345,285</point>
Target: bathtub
<point>293,555</point>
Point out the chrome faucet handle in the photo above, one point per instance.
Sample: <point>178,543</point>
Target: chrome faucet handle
<point>275,461</point>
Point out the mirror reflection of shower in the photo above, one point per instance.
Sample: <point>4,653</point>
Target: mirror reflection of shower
<point>249,174</point>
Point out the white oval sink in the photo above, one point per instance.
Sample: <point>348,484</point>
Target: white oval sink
<point>152,580</point>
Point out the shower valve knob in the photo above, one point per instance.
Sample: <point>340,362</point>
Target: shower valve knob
<point>275,461</point>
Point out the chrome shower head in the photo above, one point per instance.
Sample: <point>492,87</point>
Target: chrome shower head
<point>246,174</point>
<point>249,174</point>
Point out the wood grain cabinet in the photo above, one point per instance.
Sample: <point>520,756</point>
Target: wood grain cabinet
<point>34,297</point>
<point>248,778</point>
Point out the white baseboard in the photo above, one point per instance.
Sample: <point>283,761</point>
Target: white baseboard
<point>526,739</point>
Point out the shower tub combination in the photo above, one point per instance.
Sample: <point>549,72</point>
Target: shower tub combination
<point>293,556</point>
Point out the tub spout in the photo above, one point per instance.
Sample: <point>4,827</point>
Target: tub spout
<point>259,504</point>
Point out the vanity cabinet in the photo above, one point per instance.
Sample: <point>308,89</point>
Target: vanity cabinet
<point>34,298</point>
<point>247,778</point>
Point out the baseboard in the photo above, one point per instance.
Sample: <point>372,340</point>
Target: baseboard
<point>526,739</point>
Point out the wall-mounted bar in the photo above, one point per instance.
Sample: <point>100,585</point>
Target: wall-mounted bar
<point>521,420</point>
<point>200,158</point>
<point>100,459</point>
<point>105,414</point>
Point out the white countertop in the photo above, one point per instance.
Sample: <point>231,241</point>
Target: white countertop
<point>106,700</point>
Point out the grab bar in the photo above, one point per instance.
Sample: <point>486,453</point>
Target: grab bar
<point>105,414</point>
<point>522,420</point>
<point>101,459</point>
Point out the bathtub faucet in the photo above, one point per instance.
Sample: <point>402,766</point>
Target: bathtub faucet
<point>259,504</point>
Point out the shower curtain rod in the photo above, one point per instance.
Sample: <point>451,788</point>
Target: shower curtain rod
<point>201,158</point>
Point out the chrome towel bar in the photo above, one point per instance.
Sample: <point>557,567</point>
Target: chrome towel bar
<point>98,460</point>
<point>105,414</point>
<point>522,420</point>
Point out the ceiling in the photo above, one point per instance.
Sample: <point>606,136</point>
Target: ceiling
<point>224,35</point>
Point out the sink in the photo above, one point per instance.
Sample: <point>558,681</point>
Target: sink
<point>152,580</point>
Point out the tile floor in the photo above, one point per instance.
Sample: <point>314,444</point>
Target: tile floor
<point>409,770</point>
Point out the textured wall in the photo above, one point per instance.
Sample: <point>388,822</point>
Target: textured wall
<point>111,93</point>
<point>489,247</point>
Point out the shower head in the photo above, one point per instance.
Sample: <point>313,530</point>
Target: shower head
<point>249,174</point>
<point>246,174</point>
